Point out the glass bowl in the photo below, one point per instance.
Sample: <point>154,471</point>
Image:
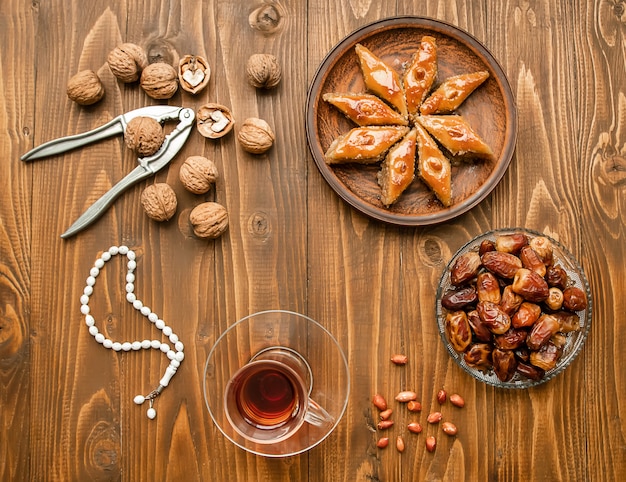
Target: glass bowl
<point>574,340</point>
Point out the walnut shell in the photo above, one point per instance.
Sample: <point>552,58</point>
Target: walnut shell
<point>85,88</point>
<point>214,121</point>
<point>198,174</point>
<point>127,61</point>
<point>255,136</point>
<point>159,201</point>
<point>159,80</point>
<point>209,220</point>
<point>263,71</point>
<point>144,135</point>
<point>193,73</point>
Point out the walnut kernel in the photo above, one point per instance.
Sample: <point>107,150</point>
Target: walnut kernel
<point>159,80</point>
<point>193,73</point>
<point>159,201</point>
<point>214,121</point>
<point>209,220</point>
<point>126,62</point>
<point>85,88</point>
<point>198,174</point>
<point>144,135</point>
<point>256,136</point>
<point>263,71</point>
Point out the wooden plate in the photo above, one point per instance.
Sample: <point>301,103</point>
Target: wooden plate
<point>490,110</point>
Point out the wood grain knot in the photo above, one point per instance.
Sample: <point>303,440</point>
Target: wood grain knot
<point>611,19</point>
<point>431,251</point>
<point>267,18</point>
<point>612,166</point>
<point>12,327</point>
<point>259,225</point>
<point>103,449</point>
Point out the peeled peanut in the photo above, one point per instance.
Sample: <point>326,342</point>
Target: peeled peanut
<point>406,396</point>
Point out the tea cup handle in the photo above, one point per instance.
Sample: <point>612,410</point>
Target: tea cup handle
<point>316,415</point>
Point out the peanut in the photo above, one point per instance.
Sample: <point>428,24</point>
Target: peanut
<point>414,406</point>
<point>434,417</point>
<point>400,444</point>
<point>431,443</point>
<point>406,396</point>
<point>382,442</point>
<point>449,428</point>
<point>385,414</point>
<point>414,427</point>
<point>457,400</point>
<point>379,402</point>
<point>399,359</point>
<point>442,396</point>
<point>384,424</point>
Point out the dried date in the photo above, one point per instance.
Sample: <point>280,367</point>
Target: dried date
<point>457,299</point>
<point>556,276</point>
<point>530,371</point>
<point>574,299</point>
<point>546,357</point>
<point>480,330</point>
<point>504,265</point>
<point>465,268</point>
<point>545,328</point>
<point>531,260</point>
<point>554,301</point>
<point>504,364</point>
<point>493,317</point>
<point>478,356</point>
<point>458,330</point>
<point>510,301</point>
<point>488,288</point>
<point>568,321</point>
<point>511,340</point>
<point>511,243</point>
<point>543,247</point>
<point>530,285</point>
<point>527,315</point>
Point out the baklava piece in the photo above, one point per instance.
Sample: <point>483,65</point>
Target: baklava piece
<point>365,145</point>
<point>381,79</point>
<point>433,167</point>
<point>420,75</point>
<point>398,169</point>
<point>365,109</point>
<point>452,92</point>
<point>456,135</point>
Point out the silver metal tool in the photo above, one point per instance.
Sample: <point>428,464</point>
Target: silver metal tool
<point>147,167</point>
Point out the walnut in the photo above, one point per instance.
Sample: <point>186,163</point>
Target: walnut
<point>255,136</point>
<point>198,174</point>
<point>263,71</point>
<point>159,201</point>
<point>159,80</point>
<point>126,61</point>
<point>214,121</point>
<point>193,73</point>
<point>209,220</point>
<point>144,135</point>
<point>85,88</point>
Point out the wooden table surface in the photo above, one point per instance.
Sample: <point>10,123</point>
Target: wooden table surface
<point>66,403</point>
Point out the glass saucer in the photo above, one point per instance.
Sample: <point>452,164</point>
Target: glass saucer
<point>242,341</point>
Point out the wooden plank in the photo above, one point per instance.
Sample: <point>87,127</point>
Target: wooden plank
<point>16,87</point>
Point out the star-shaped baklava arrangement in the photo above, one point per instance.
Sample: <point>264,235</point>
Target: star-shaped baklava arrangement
<point>403,121</point>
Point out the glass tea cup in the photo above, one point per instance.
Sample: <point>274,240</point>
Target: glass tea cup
<point>267,400</point>
<point>276,383</point>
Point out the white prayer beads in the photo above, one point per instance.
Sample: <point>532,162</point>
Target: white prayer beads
<point>175,355</point>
